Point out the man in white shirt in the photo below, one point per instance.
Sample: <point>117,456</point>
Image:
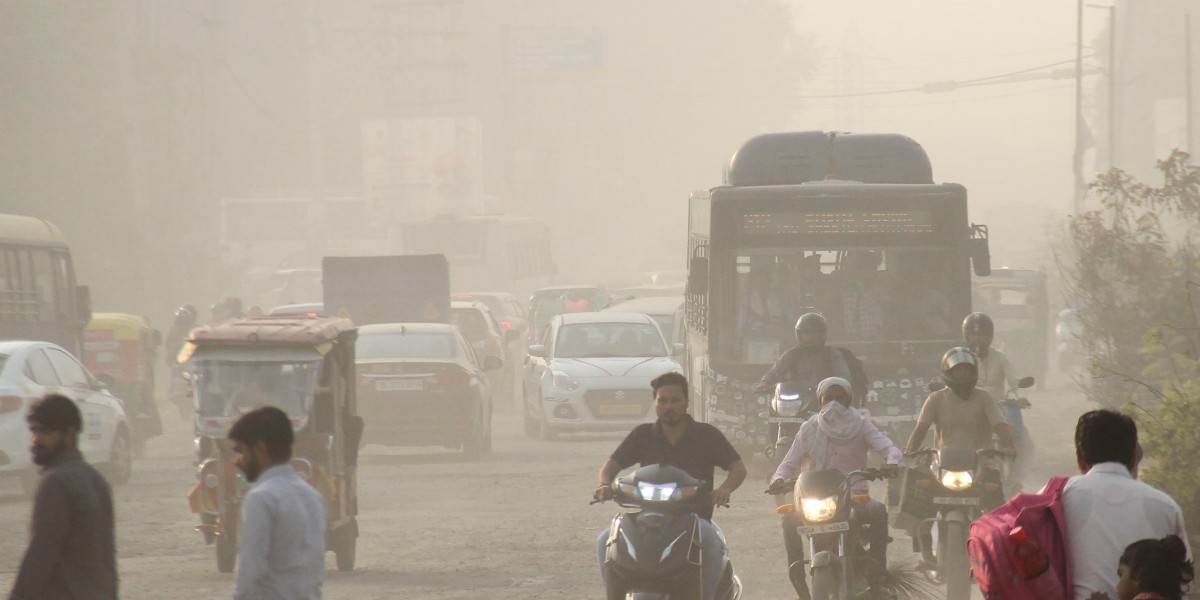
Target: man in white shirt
<point>1106,509</point>
<point>283,532</point>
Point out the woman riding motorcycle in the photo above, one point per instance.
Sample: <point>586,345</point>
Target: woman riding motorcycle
<point>838,437</point>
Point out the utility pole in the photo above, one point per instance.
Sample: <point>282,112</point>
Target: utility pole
<point>1187,78</point>
<point>1077,205</point>
<point>1112,86</point>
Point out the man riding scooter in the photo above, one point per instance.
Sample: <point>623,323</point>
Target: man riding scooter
<point>811,360</point>
<point>838,437</point>
<point>678,440</point>
<point>998,377</point>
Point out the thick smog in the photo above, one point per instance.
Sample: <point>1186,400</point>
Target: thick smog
<point>457,299</point>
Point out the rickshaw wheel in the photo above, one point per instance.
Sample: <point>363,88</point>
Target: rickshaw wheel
<point>346,546</point>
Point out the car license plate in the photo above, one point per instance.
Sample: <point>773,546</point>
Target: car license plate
<point>620,410</point>
<point>786,419</point>
<point>826,528</point>
<point>956,501</point>
<point>399,385</point>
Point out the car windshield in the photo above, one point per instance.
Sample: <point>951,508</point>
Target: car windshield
<point>601,340</point>
<point>405,345</point>
<point>230,388</point>
<point>471,322</point>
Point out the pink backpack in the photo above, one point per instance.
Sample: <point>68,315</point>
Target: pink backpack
<point>993,558</point>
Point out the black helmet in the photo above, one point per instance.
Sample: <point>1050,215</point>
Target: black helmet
<point>981,324</point>
<point>815,324</point>
<point>965,382</point>
<point>185,316</point>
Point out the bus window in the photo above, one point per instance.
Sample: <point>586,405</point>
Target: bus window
<point>43,284</point>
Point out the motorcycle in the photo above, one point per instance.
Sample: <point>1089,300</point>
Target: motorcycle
<point>655,553</point>
<point>1011,406</point>
<point>791,406</point>
<point>962,483</point>
<point>837,549</point>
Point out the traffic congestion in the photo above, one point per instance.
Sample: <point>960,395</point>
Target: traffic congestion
<point>481,356</point>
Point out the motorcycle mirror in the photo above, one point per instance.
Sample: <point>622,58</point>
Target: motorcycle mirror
<point>1025,382</point>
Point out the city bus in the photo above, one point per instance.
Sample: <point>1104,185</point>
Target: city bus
<point>850,226</point>
<point>39,299</point>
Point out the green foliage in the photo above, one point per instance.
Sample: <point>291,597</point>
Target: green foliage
<point>1131,273</point>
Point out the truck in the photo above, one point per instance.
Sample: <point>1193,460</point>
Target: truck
<point>847,225</point>
<point>387,289</point>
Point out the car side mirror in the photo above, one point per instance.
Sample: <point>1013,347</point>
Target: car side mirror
<point>537,350</point>
<point>492,363</point>
<point>1025,382</point>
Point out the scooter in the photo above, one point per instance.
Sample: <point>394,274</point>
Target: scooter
<point>654,553</point>
<point>791,406</point>
<point>836,547</point>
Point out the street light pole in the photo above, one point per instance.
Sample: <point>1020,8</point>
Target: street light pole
<point>1077,204</point>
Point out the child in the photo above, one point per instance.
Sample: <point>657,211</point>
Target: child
<point>1153,570</point>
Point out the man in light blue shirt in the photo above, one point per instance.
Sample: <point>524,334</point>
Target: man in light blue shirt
<point>283,533</point>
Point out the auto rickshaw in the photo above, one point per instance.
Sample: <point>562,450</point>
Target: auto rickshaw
<point>302,365</point>
<point>120,350</point>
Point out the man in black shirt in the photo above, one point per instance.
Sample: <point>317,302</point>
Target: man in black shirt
<point>678,440</point>
<point>72,549</point>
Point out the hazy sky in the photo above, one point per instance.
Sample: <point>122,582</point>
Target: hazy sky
<point>1010,144</point>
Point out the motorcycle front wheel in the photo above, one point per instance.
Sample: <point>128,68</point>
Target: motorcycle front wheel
<point>956,571</point>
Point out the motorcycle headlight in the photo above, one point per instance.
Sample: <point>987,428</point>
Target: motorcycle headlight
<point>562,381</point>
<point>786,407</point>
<point>956,480</point>
<point>817,510</point>
<point>656,492</point>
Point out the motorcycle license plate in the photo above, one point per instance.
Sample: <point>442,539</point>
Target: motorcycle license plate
<point>825,528</point>
<point>786,419</point>
<point>955,501</point>
<point>619,410</point>
<point>399,385</point>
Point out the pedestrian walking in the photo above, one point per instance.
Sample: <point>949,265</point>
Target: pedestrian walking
<point>1106,509</point>
<point>72,550</point>
<point>283,532</point>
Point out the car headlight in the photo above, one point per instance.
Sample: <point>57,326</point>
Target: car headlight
<point>562,381</point>
<point>956,480</point>
<point>817,510</point>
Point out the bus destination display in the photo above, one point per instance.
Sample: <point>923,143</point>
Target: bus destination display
<point>906,222</point>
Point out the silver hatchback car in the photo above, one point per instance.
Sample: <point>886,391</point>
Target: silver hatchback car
<point>592,371</point>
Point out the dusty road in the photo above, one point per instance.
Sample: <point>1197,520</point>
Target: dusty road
<point>517,524</point>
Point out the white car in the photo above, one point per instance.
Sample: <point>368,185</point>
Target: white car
<point>667,311</point>
<point>592,372</point>
<point>30,370</point>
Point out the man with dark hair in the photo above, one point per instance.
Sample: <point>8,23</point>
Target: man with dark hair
<point>72,550</point>
<point>283,535</point>
<point>1106,509</point>
<point>677,440</point>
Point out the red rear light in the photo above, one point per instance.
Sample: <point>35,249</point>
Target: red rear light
<point>506,324</point>
<point>463,296</point>
<point>10,403</point>
<point>312,315</point>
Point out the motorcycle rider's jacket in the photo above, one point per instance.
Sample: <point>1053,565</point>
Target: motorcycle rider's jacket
<point>836,438</point>
<point>958,422</point>
<point>809,366</point>
<point>995,370</point>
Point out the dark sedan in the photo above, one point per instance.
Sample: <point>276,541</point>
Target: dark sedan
<point>421,384</point>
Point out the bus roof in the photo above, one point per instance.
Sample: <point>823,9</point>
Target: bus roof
<point>279,330</point>
<point>30,230</point>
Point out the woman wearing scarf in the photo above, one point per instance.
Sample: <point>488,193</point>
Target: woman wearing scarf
<point>838,437</point>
